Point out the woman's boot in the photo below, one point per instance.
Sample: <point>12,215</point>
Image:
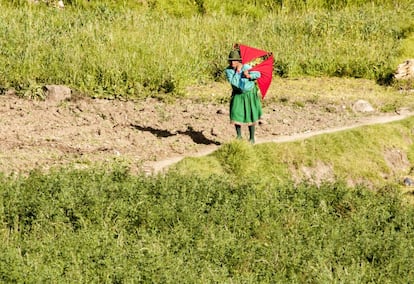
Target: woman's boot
<point>251,132</point>
<point>238,131</point>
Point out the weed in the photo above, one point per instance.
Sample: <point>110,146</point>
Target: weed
<point>299,104</point>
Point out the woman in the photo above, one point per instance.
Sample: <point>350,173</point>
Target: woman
<point>245,105</point>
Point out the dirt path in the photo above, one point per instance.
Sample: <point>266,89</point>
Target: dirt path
<point>159,166</point>
<point>147,135</point>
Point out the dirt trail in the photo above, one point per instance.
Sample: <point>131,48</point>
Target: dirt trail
<point>149,135</point>
<point>157,167</point>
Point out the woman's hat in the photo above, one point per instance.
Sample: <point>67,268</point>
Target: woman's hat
<point>234,56</point>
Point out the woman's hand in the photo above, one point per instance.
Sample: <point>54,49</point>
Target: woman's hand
<point>239,68</point>
<point>246,74</point>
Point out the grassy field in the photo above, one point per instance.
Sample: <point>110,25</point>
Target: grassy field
<point>242,214</point>
<point>237,215</point>
<point>109,49</point>
<point>111,227</point>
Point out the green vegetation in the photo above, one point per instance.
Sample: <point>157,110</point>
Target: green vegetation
<point>111,227</point>
<point>119,49</point>
<point>237,215</point>
<point>242,214</point>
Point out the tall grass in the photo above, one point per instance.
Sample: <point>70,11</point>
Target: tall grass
<point>109,226</point>
<point>109,49</point>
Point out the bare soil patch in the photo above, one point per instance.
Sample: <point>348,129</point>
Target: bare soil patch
<point>83,131</point>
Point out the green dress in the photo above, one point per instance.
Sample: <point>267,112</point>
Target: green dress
<point>245,107</point>
<point>245,103</point>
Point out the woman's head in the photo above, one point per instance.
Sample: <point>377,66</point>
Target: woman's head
<point>234,55</point>
<point>234,58</point>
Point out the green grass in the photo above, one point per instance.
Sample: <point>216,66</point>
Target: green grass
<point>242,214</point>
<point>109,49</point>
<point>109,226</point>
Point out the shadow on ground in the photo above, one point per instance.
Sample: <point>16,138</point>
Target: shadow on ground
<point>197,136</point>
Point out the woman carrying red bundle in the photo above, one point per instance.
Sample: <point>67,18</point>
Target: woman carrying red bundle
<point>245,103</point>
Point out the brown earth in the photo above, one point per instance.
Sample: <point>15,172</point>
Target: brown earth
<point>146,135</point>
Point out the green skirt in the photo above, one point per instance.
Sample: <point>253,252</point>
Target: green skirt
<point>245,108</point>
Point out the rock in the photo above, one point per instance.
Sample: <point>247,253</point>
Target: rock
<point>285,121</point>
<point>221,111</point>
<point>57,93</point>
<point>11,92</point>
<point>58,4</point>
<point>405,70</point>
<point>362,106</point>
<point>408,182</point>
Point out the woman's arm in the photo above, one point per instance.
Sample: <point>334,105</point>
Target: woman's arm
<point>252,75</point>
<point>233,77</point>
<point>242,80</point>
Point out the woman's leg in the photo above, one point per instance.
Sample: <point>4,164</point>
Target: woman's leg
<point>238,131</point>
<point>251,132</point>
